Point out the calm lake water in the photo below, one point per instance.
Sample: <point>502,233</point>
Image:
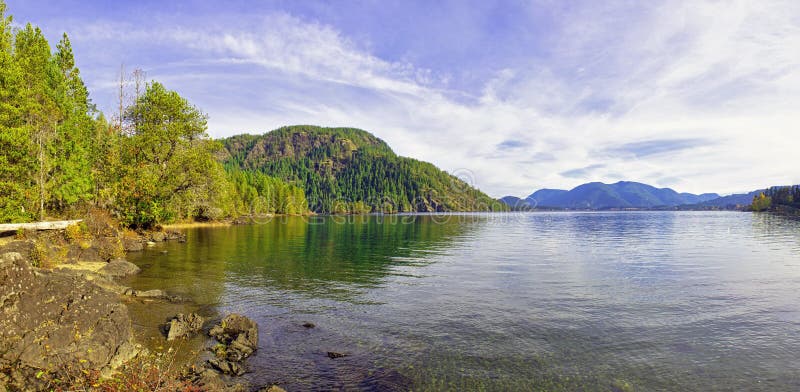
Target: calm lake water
<point>691,301</point>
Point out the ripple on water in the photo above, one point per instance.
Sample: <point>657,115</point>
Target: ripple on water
<point>547,301</point>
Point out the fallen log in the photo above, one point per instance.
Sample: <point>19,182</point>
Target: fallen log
<point>54,225</point>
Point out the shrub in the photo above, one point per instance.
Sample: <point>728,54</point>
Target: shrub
<point>147,372</point>
<point>39,254</point>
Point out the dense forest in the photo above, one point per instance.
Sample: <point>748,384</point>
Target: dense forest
<point>152,163</point>
<point>778,198</point>
<point>347,170</point>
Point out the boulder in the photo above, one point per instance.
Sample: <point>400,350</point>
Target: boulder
<point>158,236</point>
<point>238,338</point>
<point>183,326</point>
<point>132,244</point>
<point>108,248</point>
<point>119,268</point>
<point>11,257</point>
<point>272,388</point>
<point>224,366</point>
<point>239,349</point>
<point>23,248</point>
<point>236,327</point>
<point>108,284</point>
<point>205,378</point>
<point>210,380</point>
<point>77,253</point>
<point>53,319</point>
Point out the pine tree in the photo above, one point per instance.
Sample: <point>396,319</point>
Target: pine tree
<point>16,162</point>
<point>72,176</point>
<point>37,97</point>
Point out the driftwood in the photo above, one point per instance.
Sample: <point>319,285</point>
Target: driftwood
<point>55,225</point>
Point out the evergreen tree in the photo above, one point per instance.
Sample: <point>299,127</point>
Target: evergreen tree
<point>72,180</point>
<point>38,105</point>
<point>55,156</point>
<point>16,161</point>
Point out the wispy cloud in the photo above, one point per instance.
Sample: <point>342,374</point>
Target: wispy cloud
<point>648,148</point>
<point>582,172</point>
<point>690,94</point>
<point>511,144</point>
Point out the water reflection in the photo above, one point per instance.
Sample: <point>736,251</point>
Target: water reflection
<point>543,301</point>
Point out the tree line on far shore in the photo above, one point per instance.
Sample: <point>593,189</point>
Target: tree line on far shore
<point>777,197</point>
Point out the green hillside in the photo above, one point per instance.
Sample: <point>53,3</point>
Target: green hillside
<point>351,170</point>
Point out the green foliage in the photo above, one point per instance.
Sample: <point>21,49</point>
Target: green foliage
<point>761,202</point>
<point>59,156</point>
<point>346,170</point>
<point>71,174</point>
<point>45,125</point>
<point>259,194</point>
<point>16,161</point>
<point>166,162</point>
<point>785,197</point>
<point>168,170</point>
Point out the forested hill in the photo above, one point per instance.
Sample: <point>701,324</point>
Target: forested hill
<point>151,163</point>
<point>351,170</point>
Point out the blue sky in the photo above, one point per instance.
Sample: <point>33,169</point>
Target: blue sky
<point>513,96</point>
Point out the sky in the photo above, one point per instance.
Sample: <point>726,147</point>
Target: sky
<point>511,96</point>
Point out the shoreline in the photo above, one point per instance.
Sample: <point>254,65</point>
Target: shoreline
<point>192,225</point>
<point>79,275</point>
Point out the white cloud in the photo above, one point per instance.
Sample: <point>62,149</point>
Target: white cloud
<point>719,71</point>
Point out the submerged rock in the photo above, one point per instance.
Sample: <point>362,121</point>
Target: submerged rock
<point>175,236</point>
<point>160,294</point>
<point>184,326</point>
<point>119,268</point>
<point>154,294</point>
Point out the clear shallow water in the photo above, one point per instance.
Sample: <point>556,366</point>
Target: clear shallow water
<point>697,301</point>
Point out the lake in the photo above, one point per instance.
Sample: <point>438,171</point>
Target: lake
<point>615,301</point>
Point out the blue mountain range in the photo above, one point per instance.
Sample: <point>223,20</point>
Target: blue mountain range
<point>598,196</point>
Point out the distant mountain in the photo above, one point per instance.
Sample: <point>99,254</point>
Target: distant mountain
<point>691,198</point>
<point>543,196</point>
<point>515,202</point>
<point>623,194</point>
<point>351,170</point>
<point>731,201</point>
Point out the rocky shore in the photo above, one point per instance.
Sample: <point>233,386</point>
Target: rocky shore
<point>64,322</point>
